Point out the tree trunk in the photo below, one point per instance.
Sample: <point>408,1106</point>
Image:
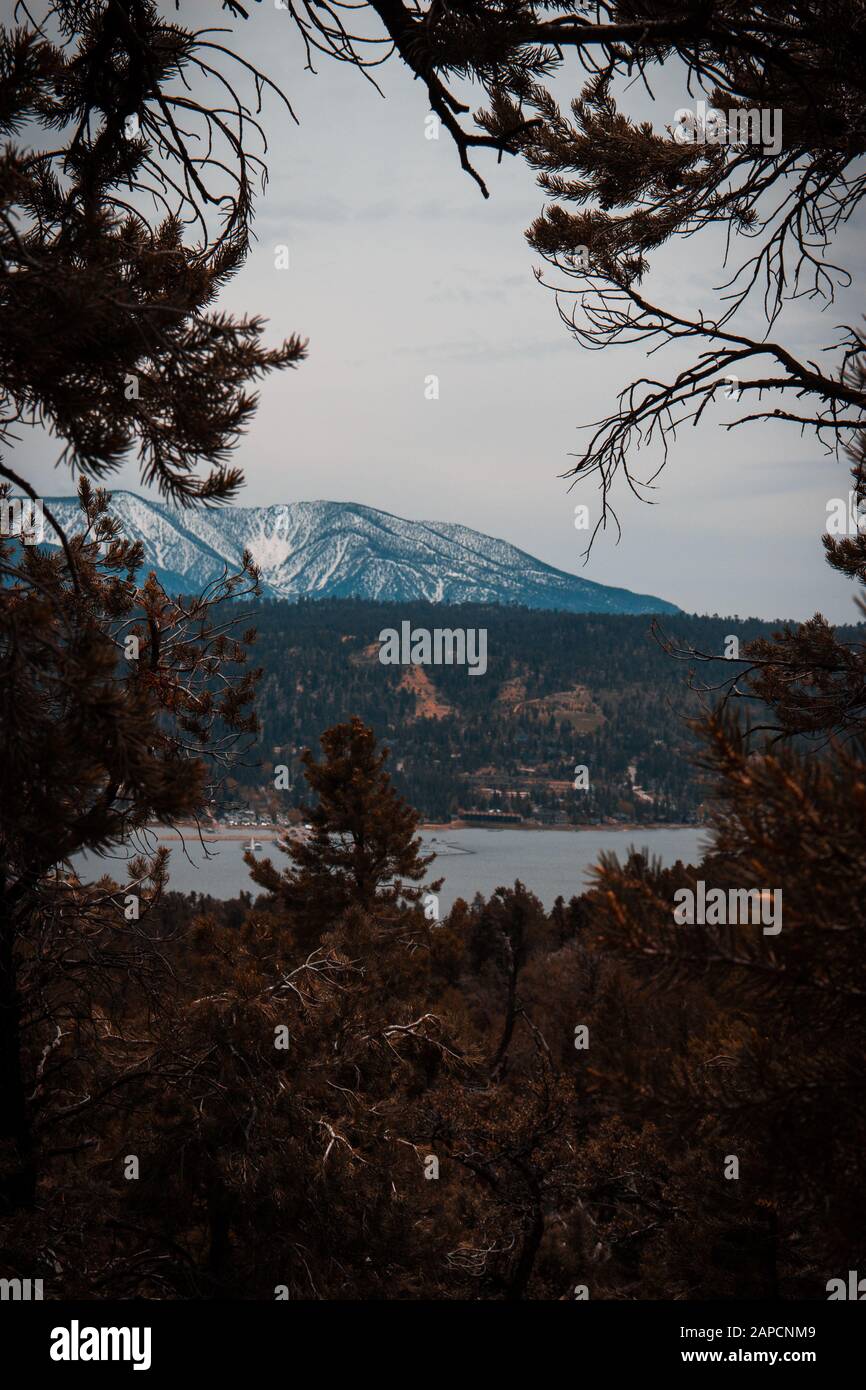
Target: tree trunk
<point>531,1240</point>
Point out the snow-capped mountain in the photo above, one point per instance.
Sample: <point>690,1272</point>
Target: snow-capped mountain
<point>341,549</point>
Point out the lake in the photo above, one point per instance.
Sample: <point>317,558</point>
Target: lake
<point>548,862</point>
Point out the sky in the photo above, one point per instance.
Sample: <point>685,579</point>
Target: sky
<point>399,270</point>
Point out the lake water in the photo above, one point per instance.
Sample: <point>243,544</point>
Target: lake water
<point>548,862</point>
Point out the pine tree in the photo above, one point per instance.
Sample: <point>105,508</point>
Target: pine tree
<point>108,334</point>
<point>363,851</point>
<point>118,706</point>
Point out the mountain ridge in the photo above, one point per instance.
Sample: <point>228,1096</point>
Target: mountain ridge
<point>327,549</point>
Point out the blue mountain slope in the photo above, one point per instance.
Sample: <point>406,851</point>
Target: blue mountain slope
<point>341,549</point>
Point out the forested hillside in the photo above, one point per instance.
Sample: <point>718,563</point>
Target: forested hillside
<point>560,690</point>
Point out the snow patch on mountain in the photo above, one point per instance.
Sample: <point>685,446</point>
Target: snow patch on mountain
<point>343,549</point>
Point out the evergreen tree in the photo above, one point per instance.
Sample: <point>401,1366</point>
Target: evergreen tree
<point>363,851</point>
<point>108,335</point>
<point>119,703</point>
<point>119,706</point>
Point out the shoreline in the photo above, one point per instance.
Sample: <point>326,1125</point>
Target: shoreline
<point>213,834</point>
<point>575,829</point>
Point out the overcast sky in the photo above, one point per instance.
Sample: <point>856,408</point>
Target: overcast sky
<point>400,269</point>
